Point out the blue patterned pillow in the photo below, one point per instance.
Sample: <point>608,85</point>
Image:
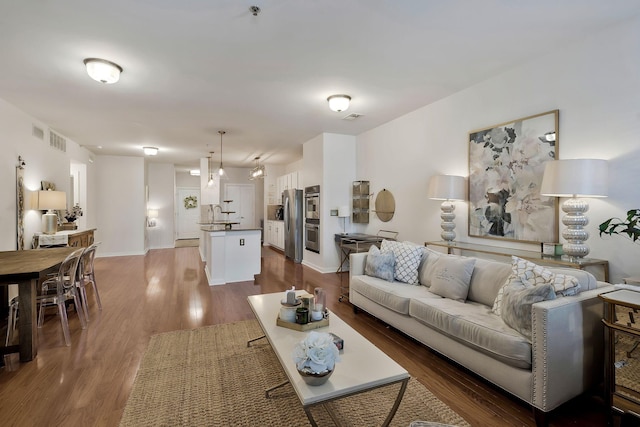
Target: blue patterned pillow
<point>408,257</point>
<point>379,264</point>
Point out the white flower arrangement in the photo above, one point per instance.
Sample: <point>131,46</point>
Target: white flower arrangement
<point>317,353</point>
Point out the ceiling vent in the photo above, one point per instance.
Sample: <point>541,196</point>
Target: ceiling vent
<point>352,116</point>
<point>58,142</point>
<point>37,132</point>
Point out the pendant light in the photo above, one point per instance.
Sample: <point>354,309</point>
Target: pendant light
<point>258,171</point>
<point>210,170</point>
<point>221,170</point>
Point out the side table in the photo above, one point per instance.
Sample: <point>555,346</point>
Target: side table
<point>621,352</point>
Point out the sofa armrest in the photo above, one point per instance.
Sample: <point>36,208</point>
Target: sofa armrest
<point>567,347</point>
<point>357,262</point>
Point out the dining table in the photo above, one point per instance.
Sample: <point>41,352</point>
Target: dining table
<point>27,268</point>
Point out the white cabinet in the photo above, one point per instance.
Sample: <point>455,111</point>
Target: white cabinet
<point>273,196</point>
<point>290,180</point>
<point>280,234</point>
<point>275,234</point>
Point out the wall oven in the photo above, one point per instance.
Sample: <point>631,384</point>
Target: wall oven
<point>312,202</point>
<point>312,237</point>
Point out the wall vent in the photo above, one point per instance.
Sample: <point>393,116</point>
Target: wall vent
<point>58,142</point>
<point>352,116</point>
<point>37,132</point>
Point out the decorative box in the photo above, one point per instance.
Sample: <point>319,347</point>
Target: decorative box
<point>551,249</point>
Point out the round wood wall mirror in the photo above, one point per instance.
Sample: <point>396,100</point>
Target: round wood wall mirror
<point>385,205</point>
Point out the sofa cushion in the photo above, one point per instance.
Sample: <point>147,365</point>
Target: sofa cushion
<point>517,301</point>
<point>474,325</point>
<point>394,296</point>
<point>426,268</point>
<point>487,279</point>
<point>380,265</point>
<point>451,277</point>
<point>408,257</point>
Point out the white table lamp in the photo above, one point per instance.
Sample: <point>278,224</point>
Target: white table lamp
<point>51,200</point>
<point>153,214</point>
<point>344,212</point>
<point>448,188</point>
<point>575,178</point>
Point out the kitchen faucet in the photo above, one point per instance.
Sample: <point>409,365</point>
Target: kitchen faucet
<point>213,212</point>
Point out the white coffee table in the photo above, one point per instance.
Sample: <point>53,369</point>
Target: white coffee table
<point>362,365</point>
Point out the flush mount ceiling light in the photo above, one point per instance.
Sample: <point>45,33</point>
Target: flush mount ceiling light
<point>103,71</point>
<point>258,171</point>
<point>339,103</point>
<point>150,151</point>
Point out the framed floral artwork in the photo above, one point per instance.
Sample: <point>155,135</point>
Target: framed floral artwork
<point>506,164</point>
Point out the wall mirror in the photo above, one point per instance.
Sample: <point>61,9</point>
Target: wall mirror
<point>385,205</point>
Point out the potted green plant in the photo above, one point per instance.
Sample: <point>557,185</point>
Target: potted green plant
<point>629,227</point>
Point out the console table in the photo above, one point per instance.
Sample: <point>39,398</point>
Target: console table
<point>538,257</point>
<point>73,238</point>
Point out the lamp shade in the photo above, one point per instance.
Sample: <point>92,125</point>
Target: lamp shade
<point>153,213</point>
<point>344,211</point>
<point>52,200</point>
<point>575,177</point>
<point>446,187</point>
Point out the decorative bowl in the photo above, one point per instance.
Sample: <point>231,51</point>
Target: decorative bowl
<point>312,378</point>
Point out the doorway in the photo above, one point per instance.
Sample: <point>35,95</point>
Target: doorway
<point>187,213</point>
<point>242,204</point>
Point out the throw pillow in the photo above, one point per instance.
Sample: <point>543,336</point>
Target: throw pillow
<point>380,265</point>
<point>525,272</point>
<point>408,257</point>
<point>534,275</point>
<point>451,277</point>
<point>517,302</point>
<point>513,279</point>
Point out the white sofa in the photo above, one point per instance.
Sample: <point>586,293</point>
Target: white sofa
<point>562,360</point>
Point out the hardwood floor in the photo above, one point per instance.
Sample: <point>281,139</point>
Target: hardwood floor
<point>88,383</point>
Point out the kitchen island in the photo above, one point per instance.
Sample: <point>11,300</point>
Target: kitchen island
<point>231,255</point>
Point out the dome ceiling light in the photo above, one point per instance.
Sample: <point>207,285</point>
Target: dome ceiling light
<point>339,103</point>
<point>103,71</point>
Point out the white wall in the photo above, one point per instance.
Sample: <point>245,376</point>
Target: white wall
<point>43,163</point>
<point>185,179</point>
<point>594,83</point>
<point>328,162</point>
<point>161,178</point>
<point>121,205</point>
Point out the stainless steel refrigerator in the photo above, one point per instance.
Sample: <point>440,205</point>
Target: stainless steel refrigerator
<point>293,202</point>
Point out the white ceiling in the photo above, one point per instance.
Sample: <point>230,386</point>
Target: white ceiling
<point>193,67</point>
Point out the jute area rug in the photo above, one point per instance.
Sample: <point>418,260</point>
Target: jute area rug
<point>209,377</point>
